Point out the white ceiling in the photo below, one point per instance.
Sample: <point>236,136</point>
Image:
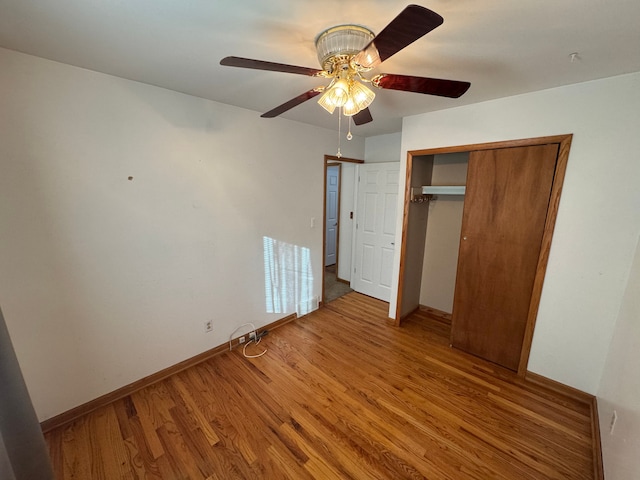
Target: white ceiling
<point>502,47</point>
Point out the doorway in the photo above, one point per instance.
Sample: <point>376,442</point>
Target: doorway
<point>332,209</point>
<point>337,232</point>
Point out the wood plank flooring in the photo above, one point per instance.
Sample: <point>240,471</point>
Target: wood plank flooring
<point>340,394</point>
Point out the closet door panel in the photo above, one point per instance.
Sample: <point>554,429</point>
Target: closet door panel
<point>506,203</point>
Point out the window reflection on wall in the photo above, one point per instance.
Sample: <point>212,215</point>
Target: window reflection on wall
<point>288,279</point>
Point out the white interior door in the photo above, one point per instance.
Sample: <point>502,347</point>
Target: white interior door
<point>375,229</point>
<point>331,227</point>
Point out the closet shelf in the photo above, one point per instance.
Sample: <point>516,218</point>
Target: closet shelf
<point>443,189</point>
<point>426,193</point>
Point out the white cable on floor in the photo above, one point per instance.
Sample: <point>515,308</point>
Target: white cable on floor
<point>244,350</point>
<point>255,335</point>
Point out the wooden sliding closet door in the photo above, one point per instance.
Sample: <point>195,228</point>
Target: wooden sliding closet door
<point>505,208</point>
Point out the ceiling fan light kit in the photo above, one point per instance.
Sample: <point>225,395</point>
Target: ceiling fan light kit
<point>337,47</point>
<point>347,93</point>
<point>347,52</point>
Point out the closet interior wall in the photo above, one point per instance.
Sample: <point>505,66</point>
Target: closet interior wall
<point>433,234</point>
<point>443,228</point>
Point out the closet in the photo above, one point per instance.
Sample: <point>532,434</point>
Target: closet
<point>498,250</point>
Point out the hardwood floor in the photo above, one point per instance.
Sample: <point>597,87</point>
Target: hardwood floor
<point>340,394</point>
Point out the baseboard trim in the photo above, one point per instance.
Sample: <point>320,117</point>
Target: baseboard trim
<point>558,387</point>
<point>279,323</point>
<point>92,405</point>
<point>598,464</point>
<point>586,398</point>
<point>439,315</point>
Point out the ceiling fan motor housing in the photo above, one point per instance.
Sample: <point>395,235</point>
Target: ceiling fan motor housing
<point>341,41</point>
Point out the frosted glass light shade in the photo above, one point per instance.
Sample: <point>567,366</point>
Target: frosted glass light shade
<point>351,96</point>
<point>336,96</point>
<point>361,95</point>
<point>326,103</point>
<point>368,58</point>
<point>340,92</point>
<point>350,108</point>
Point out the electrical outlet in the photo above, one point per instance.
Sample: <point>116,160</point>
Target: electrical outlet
<point>253,336</point>
<point>208,326</point>
<point>241,339</point>
<point>612,424</point>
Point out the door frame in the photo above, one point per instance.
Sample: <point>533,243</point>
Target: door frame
<point>330,160</point>
<point>564,145</point>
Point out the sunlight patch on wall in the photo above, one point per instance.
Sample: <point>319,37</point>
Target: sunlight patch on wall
<point>288,279</point>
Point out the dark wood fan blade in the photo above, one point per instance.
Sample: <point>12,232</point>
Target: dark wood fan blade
<point>294,102</point>
<point>430,86</point>
<point>411,24</point>
<point>270,66</point>
<point>362,117</point>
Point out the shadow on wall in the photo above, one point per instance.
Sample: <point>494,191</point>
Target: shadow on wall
<point>288,278</point>
<point>23,453</point>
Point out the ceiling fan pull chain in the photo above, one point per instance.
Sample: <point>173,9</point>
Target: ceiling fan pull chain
<point>339,154</point>
<point>349,136</point>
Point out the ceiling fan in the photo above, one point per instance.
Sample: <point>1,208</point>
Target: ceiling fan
<point>347,52</point>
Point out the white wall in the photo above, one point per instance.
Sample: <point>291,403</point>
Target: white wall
<point>383,148</point>
<point>444,225</point>
<point>598,222</point>
<point>620,387</point>
<point>104,280</point>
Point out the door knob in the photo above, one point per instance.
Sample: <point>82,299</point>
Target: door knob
<point>464,238</point>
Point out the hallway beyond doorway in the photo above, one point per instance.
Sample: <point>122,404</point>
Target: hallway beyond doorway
<point>334,288</point>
